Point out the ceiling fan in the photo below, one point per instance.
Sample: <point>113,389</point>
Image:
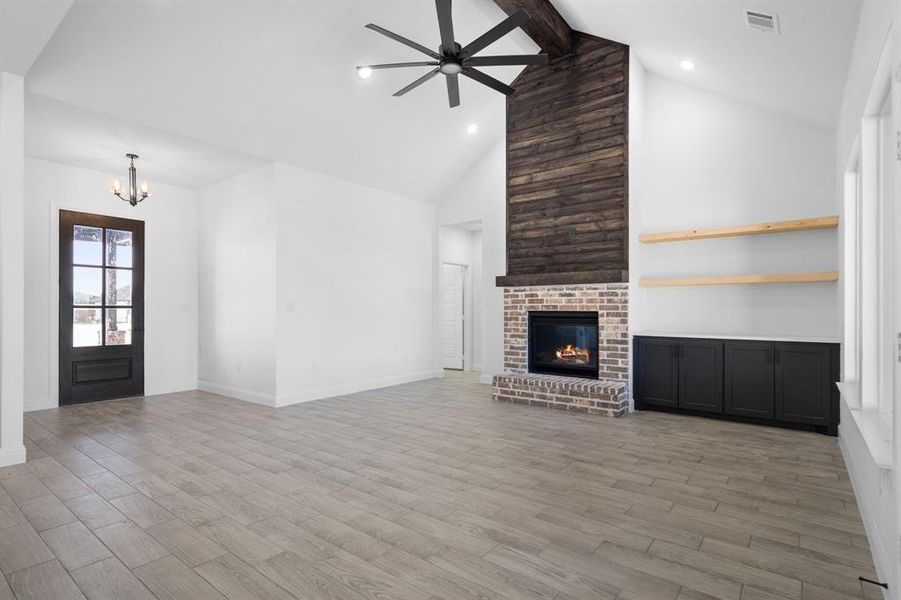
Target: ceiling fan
<point>453,60</point>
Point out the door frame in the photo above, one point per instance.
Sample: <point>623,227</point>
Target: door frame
<point>464,343</point>
<point>57,334</point>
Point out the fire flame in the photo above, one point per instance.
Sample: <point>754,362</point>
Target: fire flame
<point>573,354</point>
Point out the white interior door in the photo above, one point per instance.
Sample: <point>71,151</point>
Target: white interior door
<point>452,316</point>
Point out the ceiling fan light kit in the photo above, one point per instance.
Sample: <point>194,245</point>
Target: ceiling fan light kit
<point>453,60</point>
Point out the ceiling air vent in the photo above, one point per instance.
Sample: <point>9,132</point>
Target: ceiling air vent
<point>762,22</point>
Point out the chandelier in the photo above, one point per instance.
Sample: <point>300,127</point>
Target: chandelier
<point>134,194</point>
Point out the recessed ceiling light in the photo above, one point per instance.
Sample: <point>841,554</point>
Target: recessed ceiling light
<point>364,72</point>
<point>687,64</point>
<point>472,128</point>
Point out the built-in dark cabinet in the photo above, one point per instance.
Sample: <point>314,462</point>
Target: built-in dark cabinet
<point>749,379</point>
<point>701,375</point>
<point>777,383</point>
<point>659,377</point>
<point>802,383</point>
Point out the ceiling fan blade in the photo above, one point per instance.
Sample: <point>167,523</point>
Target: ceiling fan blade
<point>487,80</point>
<point>417,83</point>
<point>398,65</point>
<point>445,25</point>
<point>496,61</point>
<point>453,90</point>
<point>496,32</point>
<point>404,41</point>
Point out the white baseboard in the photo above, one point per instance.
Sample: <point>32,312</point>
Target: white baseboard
<point>42,404</point>
<point>356,386</point>
<point>486,378</point>
<point>881,559</point>
<point>14,455</point>
<point>239,393</point>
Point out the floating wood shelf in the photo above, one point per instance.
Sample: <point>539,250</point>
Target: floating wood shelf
<point>738,230</point>
<point>742,279</point>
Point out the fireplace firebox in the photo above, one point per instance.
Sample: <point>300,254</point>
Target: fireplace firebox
<point>563,343</point>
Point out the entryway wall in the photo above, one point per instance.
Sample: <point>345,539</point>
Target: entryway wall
<point>461,244</point>
<point>171,294</point>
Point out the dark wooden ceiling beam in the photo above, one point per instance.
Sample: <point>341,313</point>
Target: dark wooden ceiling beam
<point>546,27</point>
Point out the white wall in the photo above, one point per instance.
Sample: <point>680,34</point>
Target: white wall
<point>876,488</point>
<point>237,287</point>
<point>705,160</point>
<point>12,329</point>
<point>480,195</point>
<point>171,256</point>
<point>312,287</point>
<point>354,287</point>
<point>475,314</point>
<point>460,246</point>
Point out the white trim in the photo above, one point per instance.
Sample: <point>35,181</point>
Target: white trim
<point>715,336</point>
<point>357,386</point>
<point>12,456</point>
<point>486,378</point>
<point>40,404</point>
<point>870,522</point>
<point>239,393</point>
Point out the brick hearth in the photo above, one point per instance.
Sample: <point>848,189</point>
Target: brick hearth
<point>608,398</point>
<point>609,395</point>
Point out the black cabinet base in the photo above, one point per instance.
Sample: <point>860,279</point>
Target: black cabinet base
<point>775,383</point>
<point>825,430</point>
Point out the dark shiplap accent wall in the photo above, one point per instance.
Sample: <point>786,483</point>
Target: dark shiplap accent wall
<point>567,168</point>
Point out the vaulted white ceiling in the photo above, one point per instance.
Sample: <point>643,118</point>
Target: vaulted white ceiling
<point>25,26</point>
<point>799,72</point>
<point>276,80</point>
<point>64,133</point>
<point>205,89</point>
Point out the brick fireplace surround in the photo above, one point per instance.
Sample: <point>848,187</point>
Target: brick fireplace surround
<point>609,394</point>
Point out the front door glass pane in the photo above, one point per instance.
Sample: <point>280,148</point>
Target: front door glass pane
<point>118,248</point>
<point>87,245</point>
<point>118,287</point>
<point>118,326</point>
<point>87,285</point>
<point>86,327</point>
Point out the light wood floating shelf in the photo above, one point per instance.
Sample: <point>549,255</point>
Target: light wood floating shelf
<point>742,279</point>
<point>738,230</point>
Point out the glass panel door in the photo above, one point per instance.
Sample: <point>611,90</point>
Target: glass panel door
<point>101,307</point>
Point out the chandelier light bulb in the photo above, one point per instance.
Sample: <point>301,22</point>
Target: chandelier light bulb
<point>117,186</point>
<point>145,188</point>
<point>364,72</point>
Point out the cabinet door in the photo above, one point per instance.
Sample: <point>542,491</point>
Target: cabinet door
<point>657,371</point>
<point>701,375</point>
<point>803,383</point>
<point>749,388</point>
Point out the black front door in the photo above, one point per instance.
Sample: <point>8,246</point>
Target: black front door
<point>101,307</point>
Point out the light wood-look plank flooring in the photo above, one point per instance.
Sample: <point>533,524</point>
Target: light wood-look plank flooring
<point>424,491</point>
